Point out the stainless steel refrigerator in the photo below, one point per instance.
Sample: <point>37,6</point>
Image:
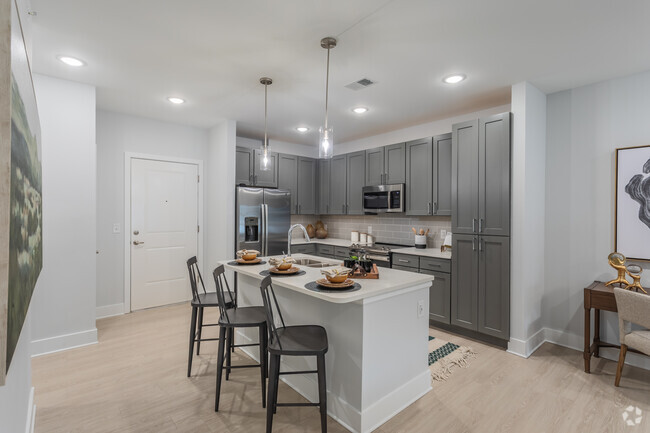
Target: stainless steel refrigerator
<point>263,219</point>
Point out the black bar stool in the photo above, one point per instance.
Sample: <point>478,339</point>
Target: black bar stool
<point>304,340</point>
<point>237,317</point>
<point>199,302</point>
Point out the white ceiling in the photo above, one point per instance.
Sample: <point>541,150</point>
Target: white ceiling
<point>213,52</point>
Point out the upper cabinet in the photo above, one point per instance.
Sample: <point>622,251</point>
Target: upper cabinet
<point>247,168</point>
<point>306,186</point>
<point>386,165</point>
<point>288,178</point>
<point>481,176</point>
<point>356,167</point>
<point>419,177</point>
<point>323,186</point>
<point>338,185</point>
<point>442,174</point>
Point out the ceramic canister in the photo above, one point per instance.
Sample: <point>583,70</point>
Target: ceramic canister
<point>363,238</point>
<point>420,241</point>
<point>354,236</point>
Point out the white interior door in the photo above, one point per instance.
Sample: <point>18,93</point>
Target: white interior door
<point>164,226</point>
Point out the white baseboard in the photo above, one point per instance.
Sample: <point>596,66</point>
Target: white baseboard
<point>64,342</point>
<point>525,348</point>
<point>31,413</point>
<point>109,310</point>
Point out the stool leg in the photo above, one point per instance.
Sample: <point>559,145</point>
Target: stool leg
<point>262,331</point>
<point>232,345</point>
<point>198,342</point>
<point>272,396</point>
<point>229,349</point>
<point>277,383</point>
<point>192,337</point>
<point>322,392</point>
<point>222,343</point>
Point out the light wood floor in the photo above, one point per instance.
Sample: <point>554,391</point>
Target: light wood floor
<point>135,380</point>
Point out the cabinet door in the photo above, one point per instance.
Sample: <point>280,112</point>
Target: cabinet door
<point>288,177</point>
<point>338,184</point>
<point>268,178</point>
<point>464,177</point>
<point>395,163</point>
<point>375,166</point>
<point>323,186</point>
<point>494,286</point>
<point>439,296</point>
<point>419,177</point>
<point>494,175</point>
<point>306,186</point>
<point>356,180</point>
<point>464,281</point>
<point>442,174</point>
<point>244,166</point>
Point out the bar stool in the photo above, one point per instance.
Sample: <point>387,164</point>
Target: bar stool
<point>237,317</point>
<point>304,340</point>
<point>199,302</point>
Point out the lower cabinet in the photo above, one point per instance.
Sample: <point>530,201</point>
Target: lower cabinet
<point>439,296</point>
<point>303,249</point>
<point>480,289</point>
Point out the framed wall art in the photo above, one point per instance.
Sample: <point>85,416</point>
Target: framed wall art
<point>21,219</point>
<point>632,237</point>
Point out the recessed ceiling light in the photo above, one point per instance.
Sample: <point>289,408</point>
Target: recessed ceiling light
<point>302,129</point>
<point>71,61</point>
<point>175,100</point>
<point>454,79</point>
<point>360,110</point>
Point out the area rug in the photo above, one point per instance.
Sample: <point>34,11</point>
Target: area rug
<point>443,356</point>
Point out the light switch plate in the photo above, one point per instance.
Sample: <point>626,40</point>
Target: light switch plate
<point>420,308</point>
<point>116,228</point>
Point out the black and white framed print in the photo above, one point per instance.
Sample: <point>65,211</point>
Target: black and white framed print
<point>632,237</point>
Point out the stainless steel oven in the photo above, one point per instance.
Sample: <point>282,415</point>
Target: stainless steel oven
<point>383,198</point>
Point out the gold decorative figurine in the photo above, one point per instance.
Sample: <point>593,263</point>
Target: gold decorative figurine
<point>635,271</point>
<point>617,261</point>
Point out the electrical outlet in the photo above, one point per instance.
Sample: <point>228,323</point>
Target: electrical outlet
<point>443,233</point>
<point>116,228</point>
<point>420,308</point>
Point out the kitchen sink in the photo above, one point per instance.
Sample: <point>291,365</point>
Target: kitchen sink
<point>311,263</point>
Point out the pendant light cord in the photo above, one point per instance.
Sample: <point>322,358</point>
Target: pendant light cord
<point>327,85</point>
<point>266,143</point>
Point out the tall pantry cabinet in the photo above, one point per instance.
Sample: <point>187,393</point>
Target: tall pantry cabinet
<point>480,292</point>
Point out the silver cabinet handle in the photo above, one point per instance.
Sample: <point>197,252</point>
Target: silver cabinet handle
<point>428,208</point>
<point>137,242</point>
<point>473,244</point>
<point>402,260</point>
<point>480,225</point>
<point>473,225</point>
<point>480,244</point>
<point>435,207</point>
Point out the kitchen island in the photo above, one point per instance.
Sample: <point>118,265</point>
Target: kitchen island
<point>378,337</point>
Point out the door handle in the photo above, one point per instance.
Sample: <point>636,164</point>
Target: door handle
<point>480,225</point>
<point>138,242</point>
<point>480,244</point>
<point>435,207</point>
<point>473,244</point>
<point>473,225</point>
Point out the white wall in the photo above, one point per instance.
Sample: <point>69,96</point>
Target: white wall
<point>280,147</point>
<point>117,134</point>
<point>63,313</point>
<point>437,127</point>
<point>585,126</point>
<point>527,210</point>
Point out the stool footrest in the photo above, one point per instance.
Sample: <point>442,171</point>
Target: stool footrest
<point>245,345</point>
<point>205,339</point>
<point>299,372</point>
<point>241,366</point>
<point>297,404</point>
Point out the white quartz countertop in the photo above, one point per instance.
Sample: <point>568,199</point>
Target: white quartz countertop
<point>424,252</point>
<point>389,281</point>
<point>327,241</point>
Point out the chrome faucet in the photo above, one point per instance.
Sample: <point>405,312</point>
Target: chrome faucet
<point>304,230</point>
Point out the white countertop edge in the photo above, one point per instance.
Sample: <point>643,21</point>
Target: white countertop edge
<point>377,298</point>
<point>424,252</point>
<point>414,280</point>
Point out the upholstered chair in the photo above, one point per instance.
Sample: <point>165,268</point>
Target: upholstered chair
<point>632,307</point>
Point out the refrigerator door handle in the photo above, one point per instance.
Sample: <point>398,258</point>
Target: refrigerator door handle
<point>262,228</point>
<point>266,229</point>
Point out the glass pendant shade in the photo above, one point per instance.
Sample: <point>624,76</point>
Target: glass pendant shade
<point>326,143</point>
<point>265,158</point>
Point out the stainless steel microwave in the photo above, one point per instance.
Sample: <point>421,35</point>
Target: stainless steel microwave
<point>383,198</point>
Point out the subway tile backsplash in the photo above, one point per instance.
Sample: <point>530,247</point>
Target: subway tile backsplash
<point>385,228</point>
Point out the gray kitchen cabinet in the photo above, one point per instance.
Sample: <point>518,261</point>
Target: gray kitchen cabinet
<point>464,178</point>
<point>406,260</point>
<point>341,252</point>
<point>338,185</point>
<point>265,178</point>
<point>442,174</point>
<point>494,175</point>
<point>375,166</point>
<point>386,165</point>
<point>288,177</point>
<point>464,281</point>
<point>323,186</point>
<point>325,251</point>
<point>419,177</point>
<point>306,186</point>
<point>494,286</point>
<point>439,296</point>
<point>356,175</point>
<point>244,166</point>
<point>309,248</point>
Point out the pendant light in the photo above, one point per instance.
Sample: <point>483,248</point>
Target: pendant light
<point>265,160</point>
<point>326,144</point>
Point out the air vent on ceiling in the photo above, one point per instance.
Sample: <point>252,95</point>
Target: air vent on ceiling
<point>360,84</point>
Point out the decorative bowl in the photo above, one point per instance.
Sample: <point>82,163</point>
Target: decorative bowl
<point>249,256</point>
<point>340,278</point>
<point>283,266</point>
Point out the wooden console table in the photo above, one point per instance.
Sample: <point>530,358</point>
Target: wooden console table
<point>599,297</point>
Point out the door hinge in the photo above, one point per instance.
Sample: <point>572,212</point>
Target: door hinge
<point>198,229</point>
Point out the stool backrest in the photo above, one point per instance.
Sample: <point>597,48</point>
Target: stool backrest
<point>633,307</point>
<point>195,278</point>
<point>223,287</point>
<point>267,293</point>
